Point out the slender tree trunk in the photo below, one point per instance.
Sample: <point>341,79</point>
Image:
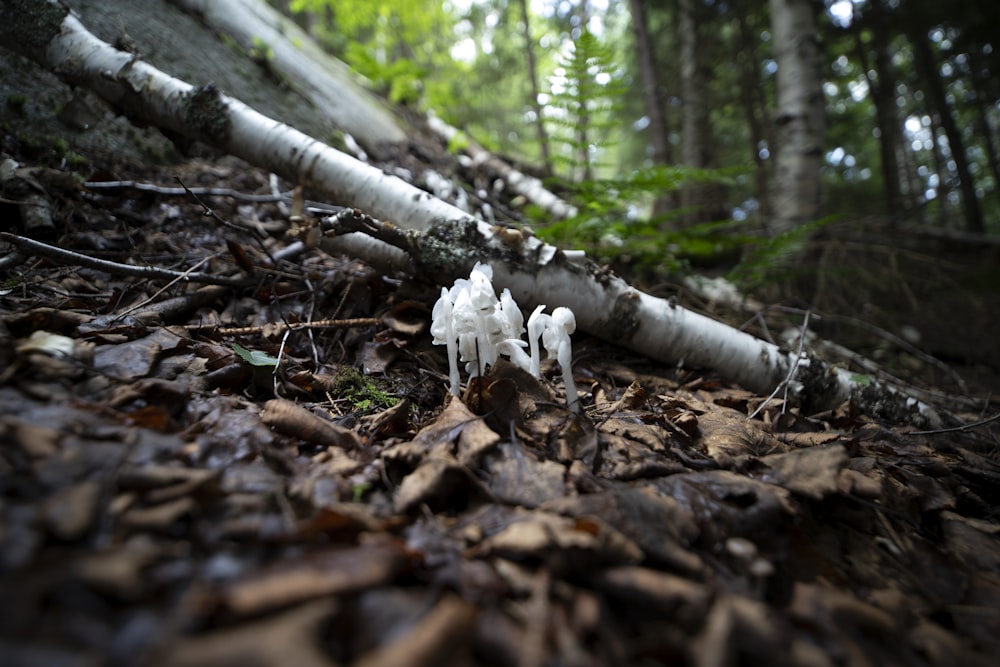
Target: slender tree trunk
<point>754,107</point>
<point>882,82</point>
<point>529,50</point>
<point>935,90</point>
<point>943,189</point>
<point>983,120</point>
<point>800,116</point>
<point>986,129</point>
<point>645,62</point>
<point>650,86</point>
<point>692,135</point>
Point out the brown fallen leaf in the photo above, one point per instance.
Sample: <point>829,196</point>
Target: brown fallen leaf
<point>119,572</point>
<point>739,630</point>
<point>289,638</point>
<point>658,524</point>
<point>517,477</point>
<point>337,571</point>
<point>293,420</point>
<point>159,517</point>
<point>727,434</point>
<point>811,472</point>
<point>575,543</point>
<point>70,512</point>
<point>657,593</point>
<point>440,482</point>
<point>439,638</point>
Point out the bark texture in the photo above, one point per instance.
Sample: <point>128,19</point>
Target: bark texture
<point>800,115</point>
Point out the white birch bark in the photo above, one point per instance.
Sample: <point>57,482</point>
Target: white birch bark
<point>801,115</point>
<point>322,79</point>
<point>446,242</point>
<point>528,187</point>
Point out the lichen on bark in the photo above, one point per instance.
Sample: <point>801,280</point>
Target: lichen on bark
<point>449,246</point>
<point>623,321</point>
<point>207,114</point>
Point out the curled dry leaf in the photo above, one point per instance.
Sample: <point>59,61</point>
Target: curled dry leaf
<point>292,420</point>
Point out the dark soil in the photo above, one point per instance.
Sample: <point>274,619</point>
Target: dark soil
<point>274,474</point>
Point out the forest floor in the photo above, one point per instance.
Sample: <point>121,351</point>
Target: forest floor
<point>169,496</point>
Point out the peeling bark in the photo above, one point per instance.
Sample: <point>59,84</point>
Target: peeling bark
<point>441,240</point>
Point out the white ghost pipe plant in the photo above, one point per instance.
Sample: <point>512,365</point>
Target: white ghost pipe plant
<point>443,330</point>
<point>476,327</point>
<point>557,343</point>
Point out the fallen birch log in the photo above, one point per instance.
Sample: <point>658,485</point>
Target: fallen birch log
<point>442,242</point>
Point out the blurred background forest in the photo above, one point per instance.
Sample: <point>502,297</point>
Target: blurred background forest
<point>661,118</point>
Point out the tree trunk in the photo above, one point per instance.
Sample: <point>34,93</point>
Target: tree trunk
<point>529,50</point>
<point>755,109</point>
<point>693,124</point>
<point>882,86</point>
<point>934,89</point>
<point>800,115</point>
<point>652,100</point>
<point>443,243</point>
<point>650,86</point>
<point>981,100</point>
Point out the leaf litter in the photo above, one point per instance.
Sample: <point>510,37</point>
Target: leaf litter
<point>199,476</point>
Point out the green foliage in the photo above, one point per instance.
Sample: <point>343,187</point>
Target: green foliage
<point>609,224</point>
<point>255,357</point>
<point>261,51</point>
<point>401,46</point>
<point>360,390</point>
<point>772,259</point>
<point>585,101</point>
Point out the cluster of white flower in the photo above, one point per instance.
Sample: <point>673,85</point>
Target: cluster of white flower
<point>477,327</point>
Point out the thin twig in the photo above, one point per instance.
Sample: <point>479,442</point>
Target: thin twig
<point>954,429</point>
<point>286,326</point>
<point>151,272</point>
<point>209,211</point>
<point>176,192</point>
<point>791,372</point>
<point>312,206</point>
<point>157,293</point>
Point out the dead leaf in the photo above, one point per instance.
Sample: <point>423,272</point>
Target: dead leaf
<point>811,472</point>
<point>442,635</point>
<point>517,476</point>
<point>314,575</point>
<point>441,483</point>
<point>658,524</point>
<point>289,638</point>
<point>159,517</point>
<point>724,504</point>
<point>293,420</point>
<point>658,594</point>
<point>728,434</point>
<point>565,542</point>
<point>71,511</point>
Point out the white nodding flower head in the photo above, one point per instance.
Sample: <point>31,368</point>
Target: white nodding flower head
<point>513,349</point>
<point>443,330</point>
<point>477,327</point>
<point>558,344</point>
